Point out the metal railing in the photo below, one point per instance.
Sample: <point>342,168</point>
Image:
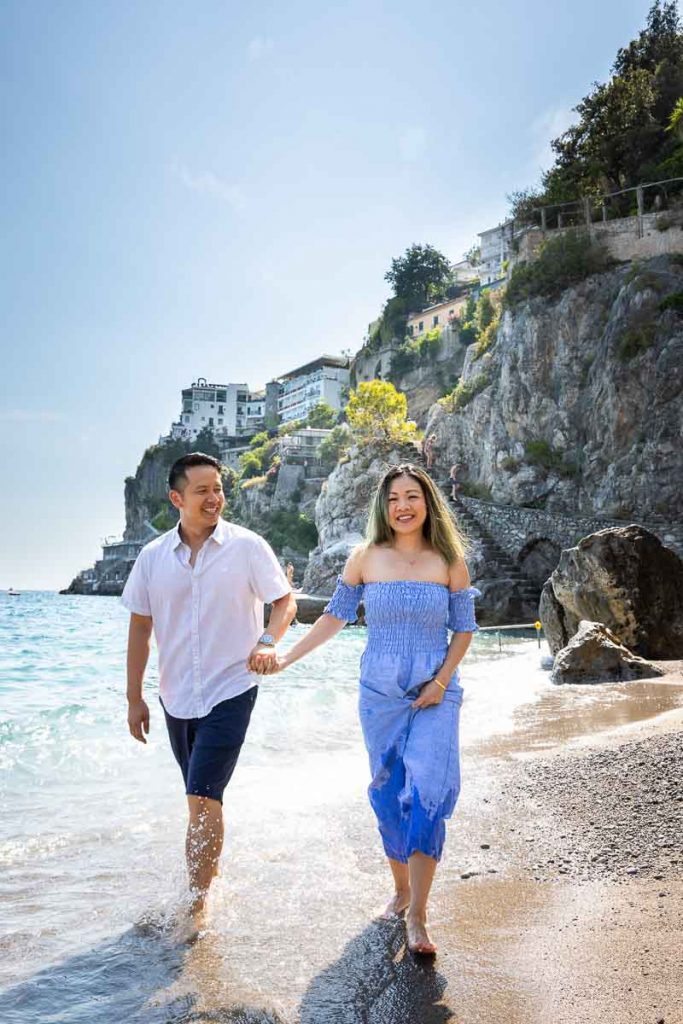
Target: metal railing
<point>648,197</point>
<point>536,626</point>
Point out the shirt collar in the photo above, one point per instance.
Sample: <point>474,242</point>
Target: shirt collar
<point>219,535</point>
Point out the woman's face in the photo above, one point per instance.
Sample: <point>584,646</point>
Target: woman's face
<point>406,505</point>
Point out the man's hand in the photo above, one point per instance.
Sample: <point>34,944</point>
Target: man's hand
<point>138,720</point>
<point>263,660</point>
<point>430,694</point>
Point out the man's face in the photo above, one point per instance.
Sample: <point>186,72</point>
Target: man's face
<point>201,500</point>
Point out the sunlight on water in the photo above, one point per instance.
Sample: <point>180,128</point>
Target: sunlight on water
<point>92,825</point>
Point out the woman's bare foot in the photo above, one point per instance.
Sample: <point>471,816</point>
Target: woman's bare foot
<point>418,936</point>
<point>397,905</point>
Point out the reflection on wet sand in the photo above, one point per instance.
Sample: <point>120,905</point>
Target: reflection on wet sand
<point>563,713</point>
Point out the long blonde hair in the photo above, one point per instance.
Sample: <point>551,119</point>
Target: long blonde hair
<point>439,529</point>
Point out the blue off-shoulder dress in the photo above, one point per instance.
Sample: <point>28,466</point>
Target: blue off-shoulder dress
<point>414,753</point>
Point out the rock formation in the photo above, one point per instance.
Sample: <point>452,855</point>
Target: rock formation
<point>624,578</point>
<point>576,406</point>
<point>595,655</point>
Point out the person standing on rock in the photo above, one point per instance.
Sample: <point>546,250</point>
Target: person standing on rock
<point>414,584</point>
<point>453,477</point>
<point>201,588</point>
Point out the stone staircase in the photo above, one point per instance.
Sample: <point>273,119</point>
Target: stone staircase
<point>498,564</point>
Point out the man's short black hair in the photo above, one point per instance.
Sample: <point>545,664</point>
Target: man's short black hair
<point>177,478</point>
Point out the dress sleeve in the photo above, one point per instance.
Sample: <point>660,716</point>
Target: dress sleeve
<point>461,610</point>
<point>344,602</point>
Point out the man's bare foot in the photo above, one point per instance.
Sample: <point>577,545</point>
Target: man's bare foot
<point>418,936</point>
<point>396,906</point>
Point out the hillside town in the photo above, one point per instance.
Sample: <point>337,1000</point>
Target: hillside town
<point>231,415</point>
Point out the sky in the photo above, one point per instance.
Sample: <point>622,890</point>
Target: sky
<point>217,189</point>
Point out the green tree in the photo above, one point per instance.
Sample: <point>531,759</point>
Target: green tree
<point>322,415</point>
<point>378,412</point>
<point>620,137</point>
<point>206,442</point>
<point>335,444</point>
<point>250,465</point>
<point>419,276</point>
<point>258,440</point>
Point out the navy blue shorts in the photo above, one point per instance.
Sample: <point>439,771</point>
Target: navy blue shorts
<point>207,748</point>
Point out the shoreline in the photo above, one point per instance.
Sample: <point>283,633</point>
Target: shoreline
<point>576,904</point>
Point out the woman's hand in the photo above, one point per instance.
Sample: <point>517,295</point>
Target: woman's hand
<point>431,693</point>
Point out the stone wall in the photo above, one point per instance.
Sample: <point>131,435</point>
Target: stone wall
<point>532,537</point>
<point>628,238</point>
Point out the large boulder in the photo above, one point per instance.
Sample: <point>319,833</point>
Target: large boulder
<point>625,578</point>
<point>595,655</point>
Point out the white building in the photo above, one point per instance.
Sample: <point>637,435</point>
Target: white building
<point>323,380</point>
<point>228,410</point>
<point>496,249</point>
<point>303,444</point>
<point>463,272</point>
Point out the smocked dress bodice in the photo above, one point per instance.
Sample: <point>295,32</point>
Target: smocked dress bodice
<point>408,623</point>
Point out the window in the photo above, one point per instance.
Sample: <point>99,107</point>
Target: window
<point>221,396</point>
<point>186,419</point>
<point>421,325</point>
<point>220,423</point>
<point>410,330</point>
<point>210,421</point>
<point>435,321</point>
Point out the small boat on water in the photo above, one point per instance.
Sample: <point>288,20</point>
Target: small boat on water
<point>12,592</point>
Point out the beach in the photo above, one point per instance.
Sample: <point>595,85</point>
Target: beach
<point>546,907</point>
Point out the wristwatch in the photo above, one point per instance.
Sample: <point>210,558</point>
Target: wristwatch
<point>266,640</point>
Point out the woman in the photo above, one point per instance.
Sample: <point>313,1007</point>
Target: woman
<point>414,584</point>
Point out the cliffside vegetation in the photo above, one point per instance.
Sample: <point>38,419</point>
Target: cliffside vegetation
<point>562,262</point>
<point>628,130</point>
<point>419,278</point>
<point>378,413</point>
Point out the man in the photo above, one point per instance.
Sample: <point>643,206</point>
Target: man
<point>201,587</point>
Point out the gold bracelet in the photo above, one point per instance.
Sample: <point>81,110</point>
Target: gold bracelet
<point>438,683</point>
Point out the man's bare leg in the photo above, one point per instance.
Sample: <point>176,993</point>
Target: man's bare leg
<point>203,846</point>
<point>401,897</point>
<point>421,870</point>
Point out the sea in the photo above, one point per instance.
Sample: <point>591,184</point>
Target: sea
<point>92,829</point>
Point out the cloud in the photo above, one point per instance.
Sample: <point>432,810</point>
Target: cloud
<point>546,127</point>
<point>208,183</point>
<point>412,144</point>
<point>258,47</point>
<point>30,416</point>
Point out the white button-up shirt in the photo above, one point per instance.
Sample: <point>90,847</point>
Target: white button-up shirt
<point>207,617</point>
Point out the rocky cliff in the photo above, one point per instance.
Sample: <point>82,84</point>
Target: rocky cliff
<point>341,512</point>
<point>576,407</point>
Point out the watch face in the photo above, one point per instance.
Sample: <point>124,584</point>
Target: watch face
<point>266,638</point>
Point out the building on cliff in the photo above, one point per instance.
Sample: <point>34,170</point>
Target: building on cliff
<point>496,249</point>
<point>439,315</point>
<point>323,380</point>
<point>229,410</point>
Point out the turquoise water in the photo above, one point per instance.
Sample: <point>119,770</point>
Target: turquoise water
<point>91,833</point>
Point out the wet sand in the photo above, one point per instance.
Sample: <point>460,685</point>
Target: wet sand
<point>574,912</point>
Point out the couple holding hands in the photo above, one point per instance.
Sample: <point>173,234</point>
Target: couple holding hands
<point>201,588</point>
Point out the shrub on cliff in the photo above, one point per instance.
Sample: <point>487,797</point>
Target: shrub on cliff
<point>378,412</point>
<point>562,261</point>
<point>335,444</point>
<point>464,391</point>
